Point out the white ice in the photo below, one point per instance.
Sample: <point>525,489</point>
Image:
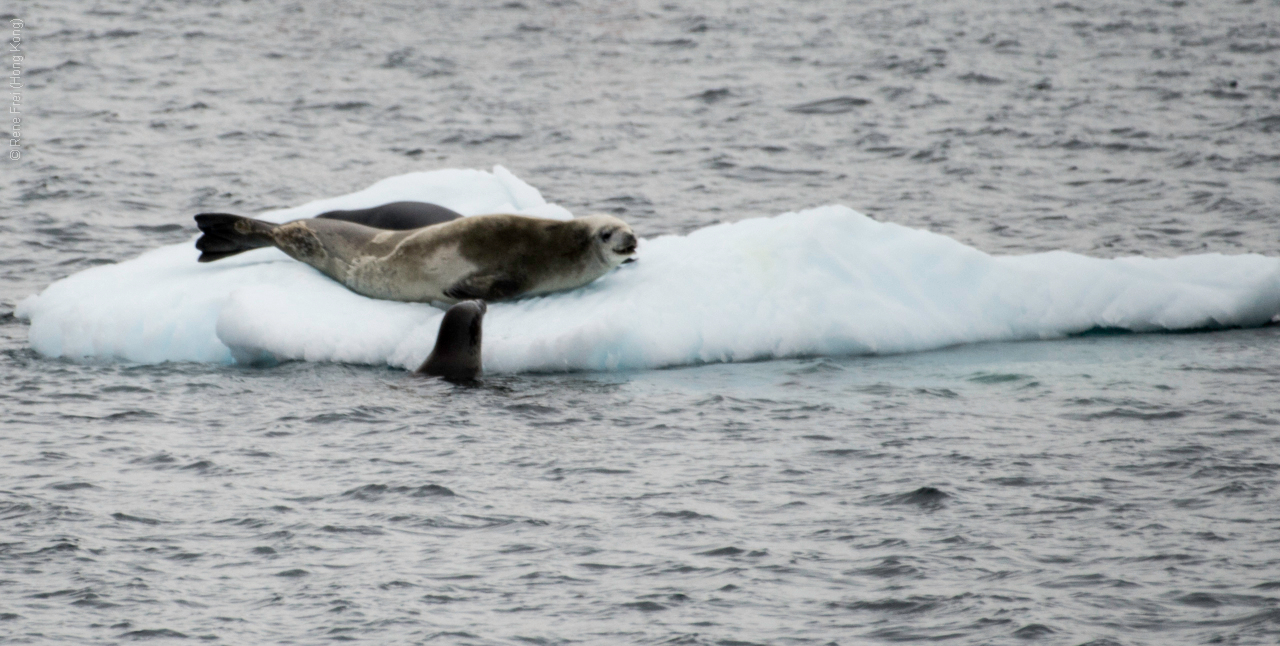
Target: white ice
<point>825,281</point>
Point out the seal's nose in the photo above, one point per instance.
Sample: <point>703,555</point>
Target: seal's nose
<point>628,245</point>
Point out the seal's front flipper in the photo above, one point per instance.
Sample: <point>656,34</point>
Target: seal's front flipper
<point>456,356</point>
<point>488,287</point>
<point>227,235</point>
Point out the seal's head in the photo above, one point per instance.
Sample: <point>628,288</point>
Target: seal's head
<point>456,356</point>
<point>613,239</point>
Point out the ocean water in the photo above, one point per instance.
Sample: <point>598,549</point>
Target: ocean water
<point>1105,488</point>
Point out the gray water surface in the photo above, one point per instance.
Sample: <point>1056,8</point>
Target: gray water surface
<point>1112,489</point>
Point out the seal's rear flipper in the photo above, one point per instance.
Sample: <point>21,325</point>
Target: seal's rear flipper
<point>456,356</point>
<point>227,235</point>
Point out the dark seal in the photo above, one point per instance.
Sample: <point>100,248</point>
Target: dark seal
<point>456,356</point>
<point>396,216</point>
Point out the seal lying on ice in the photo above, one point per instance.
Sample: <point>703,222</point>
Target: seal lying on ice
<point>397,216</point>
<point>488,257</point>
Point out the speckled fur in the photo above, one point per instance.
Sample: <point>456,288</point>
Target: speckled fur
<point>490,257</point>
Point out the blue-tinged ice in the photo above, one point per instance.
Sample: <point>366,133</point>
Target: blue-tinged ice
<point>825,281</point>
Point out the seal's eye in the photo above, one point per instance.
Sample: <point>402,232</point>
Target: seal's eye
<point>605,235</point>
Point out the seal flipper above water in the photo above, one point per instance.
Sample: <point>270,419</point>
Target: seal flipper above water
<point>456,356</point>
<point>396,216</point>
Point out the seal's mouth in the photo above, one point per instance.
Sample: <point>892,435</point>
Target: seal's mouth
<point>628,245</point>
